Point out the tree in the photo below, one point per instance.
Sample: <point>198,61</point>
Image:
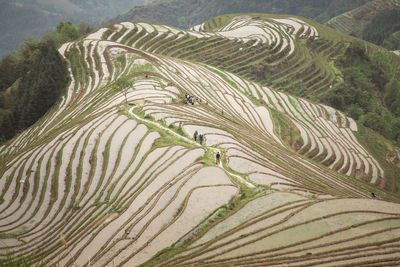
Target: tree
<point>336,101</point>
<point>392,96</point>
<point>67,31</point>
<point>355,54</point>
<point>41,86</point>
<point>355,111</point>
<point>7,129</point>
<point>396,130</point>
<point>376,123</point>
<point>2,100</point>
<point>84,28</point>
<point>380,59</point>
<point>123,84</point>
<point>9,71</point>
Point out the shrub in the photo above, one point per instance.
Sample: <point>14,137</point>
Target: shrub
<point>376,123</point>
<point>355,111</point>
<point>336,101</point>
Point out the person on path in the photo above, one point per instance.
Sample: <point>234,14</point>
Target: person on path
<point>186,98</point>
<point>201,139</point>
<point>218,158</point>
<point>195,135</point>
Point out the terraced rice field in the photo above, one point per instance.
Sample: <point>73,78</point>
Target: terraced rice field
<point>354,21</point>
<point>114,178</point>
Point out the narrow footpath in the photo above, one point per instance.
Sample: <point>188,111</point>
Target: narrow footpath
<point>188,140</point>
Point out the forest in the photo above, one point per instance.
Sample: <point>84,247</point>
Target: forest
<point>370,91</point>
<point>33,78</point>
<point>384,29</point>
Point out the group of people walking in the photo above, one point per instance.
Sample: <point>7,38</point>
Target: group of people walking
<point>200,136</point>
<point>189,99</point>
<point>201,139</point>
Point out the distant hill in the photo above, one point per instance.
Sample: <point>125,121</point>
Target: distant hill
<point>186,13</point>
<point>22,18</point>
<point>350,17</point>
<point>355,21</point>
<point>384,29</point>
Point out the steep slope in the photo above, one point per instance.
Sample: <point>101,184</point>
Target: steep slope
<point>353,22</point>
<point>309,71</point>
<point>114,176</point>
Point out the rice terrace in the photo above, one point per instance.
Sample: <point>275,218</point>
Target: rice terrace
<point>112,176</point>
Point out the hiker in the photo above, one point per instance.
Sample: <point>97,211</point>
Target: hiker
<point>218,158</point>
<point>201,139</point>
<point>191,100</point>
<point>195,135</point>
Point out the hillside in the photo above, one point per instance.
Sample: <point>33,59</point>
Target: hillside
<point>21,19</point>
<point>353,76</point>
<point>349,17</point>
<point>354,21</point>
<point>112,175</point>
<point>186,13</point>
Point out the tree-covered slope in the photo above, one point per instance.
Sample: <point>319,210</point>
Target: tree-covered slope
<point>33,79</point>
<point>384,29</point>
<point>113,175</point>
<point>355,21</point>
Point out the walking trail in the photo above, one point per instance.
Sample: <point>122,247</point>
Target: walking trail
<point>186,139</point>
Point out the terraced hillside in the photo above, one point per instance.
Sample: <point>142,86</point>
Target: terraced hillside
<point>112,175</point>
<point>354,21</point>
<point>258,54</point>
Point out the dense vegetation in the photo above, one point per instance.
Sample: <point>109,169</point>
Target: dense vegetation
<point>370,91</point>
<point>185,13</point>
<point>32,79</point>
<point>373,21</point>
<point>40,16</point>
<point>384,29</point>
